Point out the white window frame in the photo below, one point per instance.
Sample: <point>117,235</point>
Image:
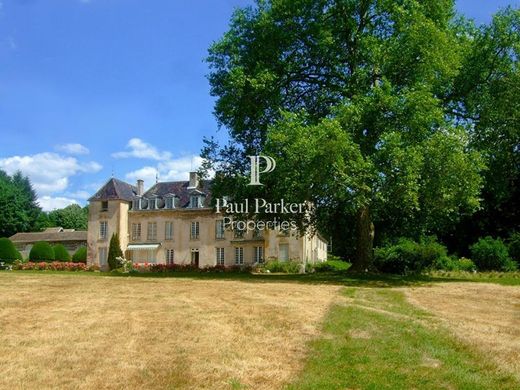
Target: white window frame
<point>151,231</point>
<point>220,231</point>
<point>196,201</point>
<point>168,230</point>
<point>169,202</point>
<point>220,256</point>
<point>136,231</point>
<point>259,254</point>
<point>194,230</point>
<point>239,255</point>
<point>103,230</point>
<point>170,256</point>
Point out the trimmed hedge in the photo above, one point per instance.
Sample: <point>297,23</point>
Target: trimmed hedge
<point>80,256</point>
<point>8,252</point>
<point>491,254</point>
<point>61,253</point>
<point>41,251</point>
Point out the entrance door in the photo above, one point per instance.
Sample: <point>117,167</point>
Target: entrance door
<point>195,257</point>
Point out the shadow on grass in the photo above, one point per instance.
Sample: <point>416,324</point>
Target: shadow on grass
<point>337,278</point>
<point>345,278</point>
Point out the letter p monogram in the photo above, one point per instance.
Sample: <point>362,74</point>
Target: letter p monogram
<point>270,165</point>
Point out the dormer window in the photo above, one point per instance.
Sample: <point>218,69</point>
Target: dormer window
<point>195,201</point>
<point>152,204</point>
<point>169,201</point>
<point>136,204</point>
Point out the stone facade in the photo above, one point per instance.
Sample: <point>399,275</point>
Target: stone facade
<point>174,223</point>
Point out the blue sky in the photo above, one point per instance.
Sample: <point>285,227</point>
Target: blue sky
<point>94,87</point>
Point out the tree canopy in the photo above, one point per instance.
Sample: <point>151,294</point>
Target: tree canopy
<point>373,108</point>
<point>19,209</point>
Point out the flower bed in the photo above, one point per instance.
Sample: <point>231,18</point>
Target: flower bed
<point>151,267</point>
<point>54,266</point>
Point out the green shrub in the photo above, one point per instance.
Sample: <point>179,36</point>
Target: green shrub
<point>514,246</point>
<point>8,252</point>
<point>288,267</point>
<point>408,256</point>
<point>466,265</point>
<point>446,263</point>
<point>329,266</point>
<point>41,251</point>
<point>450,263</point>
<point>80,256</point>
<point>491,254</point>
<point>114,251</point>
<point>61,253</point>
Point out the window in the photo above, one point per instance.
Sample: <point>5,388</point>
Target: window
<point>259,254</point>
<point>239,255</point>
<point>195,201</point>
<point>136,204</point>
<point>169,202</point>
<point>136,232</point>
<point>283,252</point>
<point>168,230</point>
<point>103,230</point>
<point>104,205</point>
<point>219,229</point>
<point>194,233</point>
<point>152,204</point>
<point>170,256</point>
<point>195,257</point>
<point>102,256</point>
<point>152,231</point>
<point>220,256</point>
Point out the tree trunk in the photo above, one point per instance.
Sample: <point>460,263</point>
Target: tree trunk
<point>365,241</point>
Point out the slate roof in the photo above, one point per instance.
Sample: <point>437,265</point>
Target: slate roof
<point>115,189</point>
<point>51,235</point>
<point>180,189</point>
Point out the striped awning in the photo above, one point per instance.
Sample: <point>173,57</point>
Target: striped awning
<point>142,247</point>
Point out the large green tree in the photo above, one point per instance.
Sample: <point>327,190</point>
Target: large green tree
<point>19,209</point>
<point>71,217</point>
<point>486,99</point>
<point>355,97</point>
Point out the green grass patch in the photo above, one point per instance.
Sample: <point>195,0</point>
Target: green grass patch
<point>376,340</point>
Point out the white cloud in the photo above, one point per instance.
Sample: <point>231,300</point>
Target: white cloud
<point>176,169</point>
<point>140,149</point>
<point>49,172</point>
<point>179,168</point>
<point>48,203</point>
<point>73,149</point>
<point>148,174</point>
<point>83,195</point>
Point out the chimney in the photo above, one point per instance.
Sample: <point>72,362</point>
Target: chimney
<point>140,187</point>
<point>194,180</point>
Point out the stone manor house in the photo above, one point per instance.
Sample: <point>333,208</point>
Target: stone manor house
<point>174,223</point>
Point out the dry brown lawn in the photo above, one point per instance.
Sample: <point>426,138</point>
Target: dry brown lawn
<point>486,316</point>
<point>69,331</point>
